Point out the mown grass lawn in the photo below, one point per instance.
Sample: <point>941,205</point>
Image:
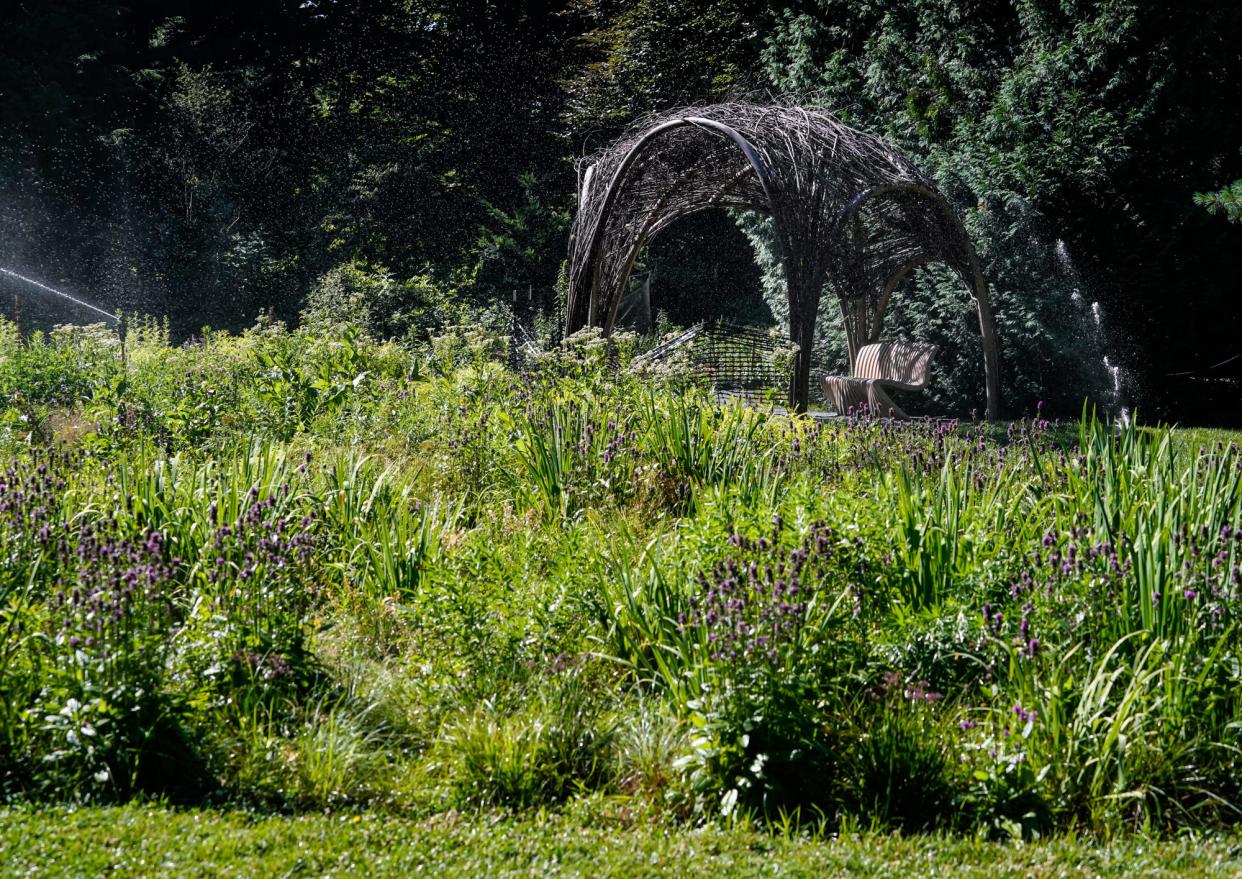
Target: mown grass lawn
<point>137,841</point>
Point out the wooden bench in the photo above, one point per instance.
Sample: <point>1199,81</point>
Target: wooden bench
<point>879,368</point>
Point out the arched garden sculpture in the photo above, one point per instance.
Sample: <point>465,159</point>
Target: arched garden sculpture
<point>850,211</point>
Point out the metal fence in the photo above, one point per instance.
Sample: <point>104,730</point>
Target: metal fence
<point>734,358</point>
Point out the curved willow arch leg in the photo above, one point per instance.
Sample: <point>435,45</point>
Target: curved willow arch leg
<point>991,355</point>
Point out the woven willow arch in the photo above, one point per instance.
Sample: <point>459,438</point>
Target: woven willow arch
<point>849,211</point>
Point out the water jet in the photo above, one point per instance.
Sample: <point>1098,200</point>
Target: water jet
<point>54,292</point>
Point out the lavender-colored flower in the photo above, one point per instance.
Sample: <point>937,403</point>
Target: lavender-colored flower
<point>1023,714</point>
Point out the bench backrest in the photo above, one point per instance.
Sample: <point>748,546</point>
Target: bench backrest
<point>901,363</point>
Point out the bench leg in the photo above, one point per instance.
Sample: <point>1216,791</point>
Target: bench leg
<point>882,404</point>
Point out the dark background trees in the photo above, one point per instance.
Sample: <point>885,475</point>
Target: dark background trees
<point>207,160</point>
<point>210,160</point>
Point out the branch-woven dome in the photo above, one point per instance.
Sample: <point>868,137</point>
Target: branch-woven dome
<point>850,211</point>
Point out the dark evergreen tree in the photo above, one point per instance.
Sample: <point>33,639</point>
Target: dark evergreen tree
<point>1081,122</point>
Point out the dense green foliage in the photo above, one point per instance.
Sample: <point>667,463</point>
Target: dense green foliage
<point>1065,132</point>
<point>309,570</point>
<point>207,161</point>
<point>1226,201</point>
<point>648,56</point>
